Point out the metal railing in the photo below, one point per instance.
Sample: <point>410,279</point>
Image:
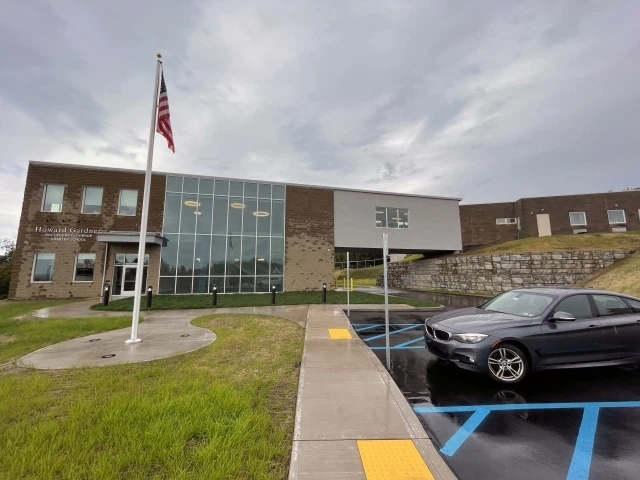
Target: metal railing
<point>358,264</point>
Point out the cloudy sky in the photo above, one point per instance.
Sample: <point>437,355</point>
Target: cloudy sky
<point>488,101</point>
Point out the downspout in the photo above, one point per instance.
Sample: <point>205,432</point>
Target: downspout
<point>104,269</point>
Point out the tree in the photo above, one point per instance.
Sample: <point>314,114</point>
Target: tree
<point>8,248</point>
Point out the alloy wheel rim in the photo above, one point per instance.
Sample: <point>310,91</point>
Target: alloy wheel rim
<point>506,365</point>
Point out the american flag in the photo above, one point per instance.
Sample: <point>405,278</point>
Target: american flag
<point>164,119</point>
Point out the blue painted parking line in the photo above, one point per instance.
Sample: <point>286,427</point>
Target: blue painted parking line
<point>362,329</point>
<point>581,460</point>
<point>410,342</point>
<point>464,431</point>
<point>375,337</point>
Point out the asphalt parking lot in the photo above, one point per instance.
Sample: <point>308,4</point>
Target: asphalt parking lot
<point>568,424</point>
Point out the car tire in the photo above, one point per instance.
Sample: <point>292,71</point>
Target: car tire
<point>507,364</point>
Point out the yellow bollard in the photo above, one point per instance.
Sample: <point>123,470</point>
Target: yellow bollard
<point>351,284</point>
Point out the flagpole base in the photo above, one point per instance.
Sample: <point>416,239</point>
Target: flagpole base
<point>133,341</point>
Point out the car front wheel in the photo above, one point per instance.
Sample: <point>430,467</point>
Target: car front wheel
<point>507,364</point>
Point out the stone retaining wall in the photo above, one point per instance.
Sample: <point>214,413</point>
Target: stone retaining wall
<point>494,273</point>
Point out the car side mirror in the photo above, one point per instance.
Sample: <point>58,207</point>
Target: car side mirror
<point>562,317</point>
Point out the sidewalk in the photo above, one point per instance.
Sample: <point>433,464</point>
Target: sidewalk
<point>349,411</point>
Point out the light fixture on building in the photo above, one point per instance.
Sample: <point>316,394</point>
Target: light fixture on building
<point>261,259</point>
<point>237,205</point>
<point>197,213</point>
<point>260,214</point>
<point>191,203</point>
<point>236,259</point>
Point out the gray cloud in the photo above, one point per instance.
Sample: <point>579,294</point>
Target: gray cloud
<point>486,101</point>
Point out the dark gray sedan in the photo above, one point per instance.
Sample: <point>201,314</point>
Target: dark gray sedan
<point>530,329</point>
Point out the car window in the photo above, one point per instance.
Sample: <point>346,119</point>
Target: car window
<point>576,305</point>
<point>524,304</point>
<point>635,304</point>
<point>610,305</point>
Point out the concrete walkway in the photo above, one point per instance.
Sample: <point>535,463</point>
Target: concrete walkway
<point>164,333</point>
<point>346,395</point>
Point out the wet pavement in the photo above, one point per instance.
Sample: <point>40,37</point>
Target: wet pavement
<point>524,431</point>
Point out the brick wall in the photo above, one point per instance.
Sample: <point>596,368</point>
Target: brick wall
<point>495,273</point>
<point>309,238</point>
<point>75,178</point>
<point>478,224</point>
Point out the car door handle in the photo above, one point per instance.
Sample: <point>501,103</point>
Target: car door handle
<point>593,326</point>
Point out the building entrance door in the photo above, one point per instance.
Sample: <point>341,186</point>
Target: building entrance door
<point>544,225</point>
<point>124,274</point>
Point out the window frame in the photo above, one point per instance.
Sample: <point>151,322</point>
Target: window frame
<point>84,197</point>
<point>515,221</point>
<point>584,215</point>
<point>44,196</point>
<point>385,212</point>
<point>33,267</point>
<point>75,267</point>
<point>120,202</point>
<point>624,216</point>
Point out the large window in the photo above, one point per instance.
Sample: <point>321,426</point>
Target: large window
<point>392,217</point>
<point>227,234</point>
<point>85,262</point>
<point>616,216</point>
<point>52,198</point>
<point>92,200</point>
<point>577,219</point>
<point>128,203</point>
<point>43,267</point>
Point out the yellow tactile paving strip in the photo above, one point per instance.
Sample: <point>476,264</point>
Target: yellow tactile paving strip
<point>339,334</point>
<point>392,460</point>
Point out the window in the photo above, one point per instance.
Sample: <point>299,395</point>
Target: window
<point>635,304</point>
<point>52,198</point>
<point>577,218</point>
<point>523,304</point>
<point>128,203</point>
<point>610,305</point>
<point>92,200</point>
<point>391,217</point>
<point>43,267</point>
<point>85,263</point>
<point>577,305</point>
<point>506,221</point>
<point>616,216</point>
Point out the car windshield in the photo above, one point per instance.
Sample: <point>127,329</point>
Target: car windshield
<point>523,304</point>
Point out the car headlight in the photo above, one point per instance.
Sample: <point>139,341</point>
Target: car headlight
<point>469,337</point>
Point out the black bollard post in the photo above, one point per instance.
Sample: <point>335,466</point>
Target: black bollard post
<point>214,295</point>
<point>324,293</point>
<point>105,296</point>
<point>149,296</point>
<point>273,295</point>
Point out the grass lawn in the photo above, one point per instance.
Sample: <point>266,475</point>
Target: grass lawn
<point>223,412</point>
<point>178,302</point>
<point>623,276</point>
<point>20,333</point>
<point>592,241</point>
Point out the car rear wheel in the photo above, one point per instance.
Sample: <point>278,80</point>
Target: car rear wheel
<point>507,364</point>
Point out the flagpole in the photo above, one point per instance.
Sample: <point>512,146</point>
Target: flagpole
<point>145,212</point>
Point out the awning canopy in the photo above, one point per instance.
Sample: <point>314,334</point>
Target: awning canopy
<point>132,237</point>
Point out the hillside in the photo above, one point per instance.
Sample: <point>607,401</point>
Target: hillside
<point>364,277</point>
<point>623,276</point>
<point>592,241</point>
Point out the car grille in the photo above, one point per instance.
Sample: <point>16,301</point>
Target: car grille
<point>438,334</point>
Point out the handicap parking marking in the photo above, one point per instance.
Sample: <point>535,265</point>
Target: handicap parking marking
<point>375,337</point>
<point>583,451</point>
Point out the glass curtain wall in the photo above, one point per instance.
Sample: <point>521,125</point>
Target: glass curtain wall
<point>224,233</point>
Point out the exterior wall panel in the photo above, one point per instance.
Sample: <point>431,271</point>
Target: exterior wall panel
<point>434,224</point>
<point>309,253</point>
